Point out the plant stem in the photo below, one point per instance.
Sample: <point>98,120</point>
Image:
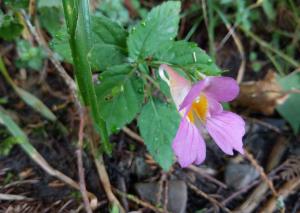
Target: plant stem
<point>78,23</point>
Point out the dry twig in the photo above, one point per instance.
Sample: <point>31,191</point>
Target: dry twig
<point>209,198</point>
<point>80,165</point>
<point>139,201</point>
<point>200,172</point>
<point>287,189</point>
<point>98,159</point>
<point>261,171</point>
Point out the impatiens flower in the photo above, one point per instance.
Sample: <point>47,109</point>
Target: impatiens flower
<point>200,108</point>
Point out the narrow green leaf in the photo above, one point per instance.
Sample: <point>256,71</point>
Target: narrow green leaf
<point>28,98</point>
<point>35,103</point>
<point>120,95</point>
<point>77,16</point>
<point>16,131</point>
<point>160,26</point>
<point>290,108</point>
<point>268,8</point>
<point>187,56</point>
<point>158,124</point>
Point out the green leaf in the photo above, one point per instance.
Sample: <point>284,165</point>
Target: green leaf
<point>17,132</point>
<point>120,96</point>
<point>188,56</point>
<point>10,28</point>
<point>158,124</point>
<point>17,4</point>
<point>109,43</point>
<point>77,17</point>
<point>290,108</point>
<point>115,10</point>
<point>108,46</point>
<point>268,8</point>
<point>29,56</point>
<point>6,146</point>
<point>47,3</point>
<point>60,44</point>
<point>35,103</point>
<point>51,18</point>
<point>160,26</point>
<point>28,98</point>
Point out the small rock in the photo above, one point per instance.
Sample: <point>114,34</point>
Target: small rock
<point>141,168</point>
<point>177,194</point>
<point>238,176</point>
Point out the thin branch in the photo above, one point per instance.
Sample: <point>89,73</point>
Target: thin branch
<point>200,172</point>
<point>80,165</point>
<point>207,197</point>
<point>139,201</point>
<point>104,179</point>
<point>133,135</point>
<point>61,71</point>
<point>261,171</point>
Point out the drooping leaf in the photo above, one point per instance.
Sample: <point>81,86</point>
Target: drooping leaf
<point>108,46</point>
<point>188,56</point>
<point>158,123</point>
<point>120,96</point>
<point>160,26</point>
<point>290,108</point>
<point>268,8</point>
<point>10,28</point>
<point>28,98</point>
<point>17,132</point>
<point>35,103</point>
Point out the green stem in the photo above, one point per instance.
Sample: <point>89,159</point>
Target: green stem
<point>78,23</point>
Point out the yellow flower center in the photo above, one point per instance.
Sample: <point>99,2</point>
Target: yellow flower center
<point>199,108</point>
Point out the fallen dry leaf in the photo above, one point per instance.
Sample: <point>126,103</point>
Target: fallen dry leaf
<point>261,96</point>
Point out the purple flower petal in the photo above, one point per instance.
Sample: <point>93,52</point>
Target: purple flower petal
<point>227,129</point>
<point>214,107</point>
<point>222,89</point>
<point>188,144</point>
<point>193,93</point>
<point>179,86</point>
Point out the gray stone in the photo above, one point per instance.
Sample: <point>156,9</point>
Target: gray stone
<point>238,176</point>
<point>177,194</point>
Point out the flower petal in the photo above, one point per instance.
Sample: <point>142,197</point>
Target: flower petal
<point>227,129</point>
<point>222,89</point>
<point>214,106</point>
<point>188,144</point>
<point>179,86</point>
<point>193,93</point>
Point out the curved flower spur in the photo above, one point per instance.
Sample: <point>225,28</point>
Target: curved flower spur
<point>200,108</point>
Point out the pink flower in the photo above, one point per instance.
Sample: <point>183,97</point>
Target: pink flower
<point>200,108</point>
